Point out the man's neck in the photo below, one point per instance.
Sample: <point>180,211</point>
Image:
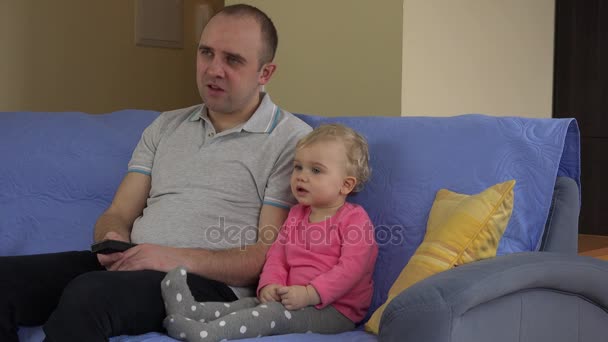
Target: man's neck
<point>222,122</point>
<point>225,121</point>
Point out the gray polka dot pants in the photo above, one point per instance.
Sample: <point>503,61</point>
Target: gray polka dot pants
<point>215,321</point>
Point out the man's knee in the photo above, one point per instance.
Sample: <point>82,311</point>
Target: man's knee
<point>85,292</point>
<point>83,302</point>
<point>82,312</point>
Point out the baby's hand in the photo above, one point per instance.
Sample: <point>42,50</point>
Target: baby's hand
<point>269,293</point>
<point>296,297</point>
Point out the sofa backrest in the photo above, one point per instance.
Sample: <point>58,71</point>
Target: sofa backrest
<point>413,157</point>
<point>59,171</point>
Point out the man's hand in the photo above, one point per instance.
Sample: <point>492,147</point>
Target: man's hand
<point>147,257</point>
<point>269,293</point>
<point>296,297</point>
<point>107,260</point>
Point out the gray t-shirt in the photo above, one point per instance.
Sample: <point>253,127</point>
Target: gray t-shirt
<point>208,188</point>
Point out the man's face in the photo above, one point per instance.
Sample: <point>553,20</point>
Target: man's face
<point>228,72</point>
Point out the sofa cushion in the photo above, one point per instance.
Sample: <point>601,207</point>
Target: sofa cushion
<point>461,229</point>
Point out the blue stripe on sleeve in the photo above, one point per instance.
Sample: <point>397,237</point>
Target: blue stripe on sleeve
<point>275,204</point>
<point>140,171</point>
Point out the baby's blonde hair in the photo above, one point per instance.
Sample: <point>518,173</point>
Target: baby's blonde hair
<point>357,151</point>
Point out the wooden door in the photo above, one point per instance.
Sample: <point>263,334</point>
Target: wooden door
<point>581,91</point>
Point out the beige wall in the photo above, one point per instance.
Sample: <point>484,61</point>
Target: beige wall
<point>337,57</point>
<point>478,56</point>
<point>80,55</point>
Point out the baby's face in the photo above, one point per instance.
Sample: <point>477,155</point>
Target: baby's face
<point>319,173</point>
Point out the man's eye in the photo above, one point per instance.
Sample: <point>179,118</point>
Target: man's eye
<point>206,52</point>
<point>233,60</point>
<point>316,170</point>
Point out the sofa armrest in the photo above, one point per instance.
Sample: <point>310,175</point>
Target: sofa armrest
<point>561,228</point>
<point>431,310</point>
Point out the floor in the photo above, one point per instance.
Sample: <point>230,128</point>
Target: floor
<point>590,242</point>
<point>593,245</point>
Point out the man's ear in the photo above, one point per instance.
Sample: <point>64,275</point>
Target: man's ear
<point>266,73</point>
<point>348,185</point>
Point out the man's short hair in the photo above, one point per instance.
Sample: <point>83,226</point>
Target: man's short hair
<point>270,38</point>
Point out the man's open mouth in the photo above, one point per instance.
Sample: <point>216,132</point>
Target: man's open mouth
<point>214,87</point>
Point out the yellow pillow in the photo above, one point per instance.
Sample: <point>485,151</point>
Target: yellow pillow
<point>461,229</point>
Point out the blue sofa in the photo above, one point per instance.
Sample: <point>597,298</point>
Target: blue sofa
<point>59,171</point>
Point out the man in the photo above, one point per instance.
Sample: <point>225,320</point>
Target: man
<point>207,188</point>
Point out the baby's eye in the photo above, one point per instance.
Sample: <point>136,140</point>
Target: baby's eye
<point>316,170</point>
<point>297,167</point>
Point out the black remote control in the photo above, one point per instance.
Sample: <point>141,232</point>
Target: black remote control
<point>111,246</point>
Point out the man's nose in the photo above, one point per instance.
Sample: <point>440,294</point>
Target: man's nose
<point>215,68</point>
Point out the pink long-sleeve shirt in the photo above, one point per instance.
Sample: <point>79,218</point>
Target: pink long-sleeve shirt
<point>336,256</point>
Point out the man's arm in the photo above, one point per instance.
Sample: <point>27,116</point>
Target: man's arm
<point>128,204</point>
<point>242,266</point>
<point>235,266</point>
